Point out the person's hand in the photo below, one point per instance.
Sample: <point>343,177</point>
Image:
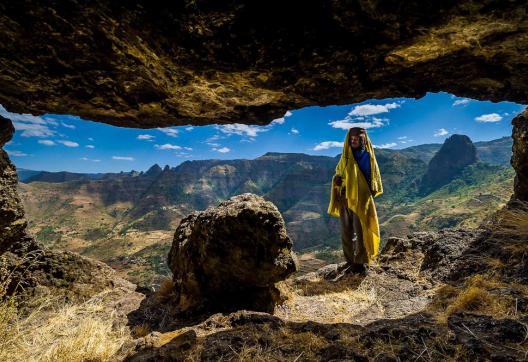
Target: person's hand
<point>338,180</point>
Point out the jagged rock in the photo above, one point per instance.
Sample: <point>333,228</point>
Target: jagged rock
<point>230,257</point>
<point>519,159</point>
<point>456,153</point>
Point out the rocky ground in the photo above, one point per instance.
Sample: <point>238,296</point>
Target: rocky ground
<point>452,295</point>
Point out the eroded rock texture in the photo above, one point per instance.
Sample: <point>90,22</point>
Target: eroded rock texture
<point>149,64</point>
<point>519,159</point>
<point>231,256</point>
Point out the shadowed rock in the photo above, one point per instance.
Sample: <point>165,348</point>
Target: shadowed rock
<point>231,256</point>
<point>519,159</point>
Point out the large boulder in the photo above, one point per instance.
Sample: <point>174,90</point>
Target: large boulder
<point>230,257</point>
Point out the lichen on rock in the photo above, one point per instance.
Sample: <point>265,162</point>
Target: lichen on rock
<point>230,257</point>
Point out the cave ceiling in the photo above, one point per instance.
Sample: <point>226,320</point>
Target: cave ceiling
<point>153,64</point>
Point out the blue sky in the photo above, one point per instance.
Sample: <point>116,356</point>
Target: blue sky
<point>68,143</point>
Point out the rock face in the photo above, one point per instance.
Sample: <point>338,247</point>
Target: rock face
<point>456,153</point>
<point>230,257</point>
<point>12,223</point>
<point>145,64</point>
<point>31,268</point>
<point>519,159</point>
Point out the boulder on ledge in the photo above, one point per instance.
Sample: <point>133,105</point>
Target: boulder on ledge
<point>230,257</point>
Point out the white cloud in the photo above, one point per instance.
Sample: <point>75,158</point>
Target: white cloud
<point>71,126</point>
<point>370,109</point>
<point>46,142</point>
<point>348,123</point>
<point>327,144</point>
<point>30,125</point>
<point>33,129</point>
<point>440,132</point>
<point>241,129</point>
<point>386,145</point>
<point>402,137</point>
<point>89,159</point>
<point>214,138</point>
<point>89,146</point>
<point>363,116</point>
<point>68,143</point>
<point>123,158</point>
<point>171,132</point>
<point>187,148</point>
<point>282,119</point>
<point>461,102</point>
<point>190,128</point>
<point>168,146</point>
<point>491,117</point>
<point>90,139</point>
<point>16,153</point>
<point>222,150</point>
<point>294,131</point>
<point>145,137</point>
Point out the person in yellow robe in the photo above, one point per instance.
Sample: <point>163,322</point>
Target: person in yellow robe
<point>356,183</point>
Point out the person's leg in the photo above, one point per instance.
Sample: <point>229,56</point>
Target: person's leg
<point>360,253</point>
<point>347,230</point>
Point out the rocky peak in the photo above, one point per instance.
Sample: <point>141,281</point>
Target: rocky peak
<point>154,170</point>
<point>456,153</point>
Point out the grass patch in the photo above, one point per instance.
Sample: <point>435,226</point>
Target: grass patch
<point>480,295</point>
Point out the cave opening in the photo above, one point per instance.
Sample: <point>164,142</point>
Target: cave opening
<point>117,194</point>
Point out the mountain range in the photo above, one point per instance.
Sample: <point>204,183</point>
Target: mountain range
<point>127,219</point>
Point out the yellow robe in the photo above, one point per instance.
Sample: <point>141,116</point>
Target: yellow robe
<point>359,197</point>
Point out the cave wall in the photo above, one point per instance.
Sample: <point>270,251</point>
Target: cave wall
<point>12,222</point>
<point>519,159</point>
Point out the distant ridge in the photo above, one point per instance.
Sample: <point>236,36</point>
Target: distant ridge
<point>495,152</point>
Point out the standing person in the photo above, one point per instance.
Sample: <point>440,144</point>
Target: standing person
<point>356,182</point>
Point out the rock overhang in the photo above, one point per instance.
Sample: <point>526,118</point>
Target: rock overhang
<point>147,64</point>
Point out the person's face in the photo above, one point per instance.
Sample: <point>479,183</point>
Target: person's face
<point>355,141</point>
